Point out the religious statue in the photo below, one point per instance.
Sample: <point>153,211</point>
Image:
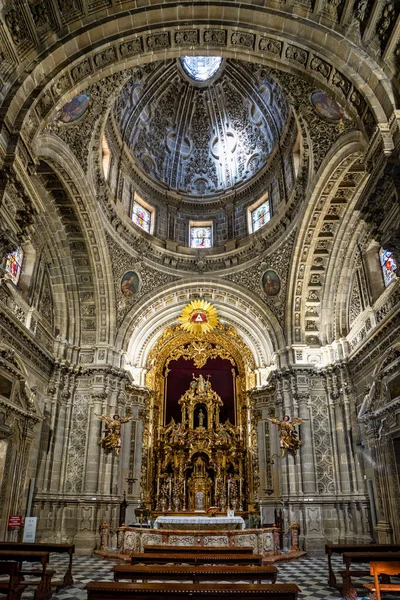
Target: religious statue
<point>200,384</point>
<point>112,432</point>
<point>178,434</point>
<point>201,418</point>
<point>287,433</point>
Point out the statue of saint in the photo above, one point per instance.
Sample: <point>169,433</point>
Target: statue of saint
<point>288,434</point>
<point>200,384</point>
<point>112,432</point>
<point>201,418</point>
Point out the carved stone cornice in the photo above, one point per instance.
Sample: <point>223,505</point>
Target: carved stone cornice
<point>24,343</point>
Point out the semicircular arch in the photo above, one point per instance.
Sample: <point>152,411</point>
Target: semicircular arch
<point>332,65</point>
<point>236,307</point>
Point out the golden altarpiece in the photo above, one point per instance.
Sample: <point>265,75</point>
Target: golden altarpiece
<point>198,462</point>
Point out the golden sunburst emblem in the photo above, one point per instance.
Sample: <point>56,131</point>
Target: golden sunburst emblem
<point>199,316</point>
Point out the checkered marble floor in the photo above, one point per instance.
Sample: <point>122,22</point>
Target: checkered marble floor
<point>309,573</point>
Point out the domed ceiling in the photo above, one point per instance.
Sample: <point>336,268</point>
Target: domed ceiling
<point>201,126</point>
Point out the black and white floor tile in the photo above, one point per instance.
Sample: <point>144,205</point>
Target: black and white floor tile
<point>309,573</point>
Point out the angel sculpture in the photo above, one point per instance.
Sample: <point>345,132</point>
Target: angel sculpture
<point>112,432</point>
<point>288,434</point>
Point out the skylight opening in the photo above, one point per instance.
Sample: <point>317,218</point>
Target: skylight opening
<point>201,68</point>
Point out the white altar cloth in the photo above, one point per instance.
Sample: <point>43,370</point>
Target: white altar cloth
<point>199,523</point>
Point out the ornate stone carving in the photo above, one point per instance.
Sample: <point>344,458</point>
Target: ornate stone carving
<point>78,135</point>
<point>83,69</point>
<point>151,279</point>
<point>321,66</point>
<point>218,145</point>
<point>385,24</point>
<point>105,57</point>
<point>251,278</point>
<point>132,47</point>
<point>323,448</point>
<point>242,39</point>
<point>270,46</point>
<point>187,37</point>
<point>15,22</point>
<point>157,41</point>
<point>355,301</point>
<point>215,37</point>
<point>296,54</point>
<point>77,444</point>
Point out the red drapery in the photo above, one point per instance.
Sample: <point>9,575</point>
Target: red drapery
<point>180,376</point>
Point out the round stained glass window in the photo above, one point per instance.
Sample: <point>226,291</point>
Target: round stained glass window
<point>201,68</point>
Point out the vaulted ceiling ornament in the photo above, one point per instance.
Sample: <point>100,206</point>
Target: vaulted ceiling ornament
<point>198,317</point>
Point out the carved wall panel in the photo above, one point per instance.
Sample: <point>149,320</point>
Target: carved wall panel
<point>323,447</point>
<point>77,444</point>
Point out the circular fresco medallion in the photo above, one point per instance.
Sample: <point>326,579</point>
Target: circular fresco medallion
<point>130,284</point>
<point>74,109</point>
<point>271,283</point>
<point>326,107</point>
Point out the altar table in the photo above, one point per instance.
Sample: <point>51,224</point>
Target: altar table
<point>199,523</point>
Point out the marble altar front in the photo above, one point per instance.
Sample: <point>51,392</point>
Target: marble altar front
<point>199,523</point>
<point>122,541</point>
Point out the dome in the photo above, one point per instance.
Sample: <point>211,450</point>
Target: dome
<point>200,126</point>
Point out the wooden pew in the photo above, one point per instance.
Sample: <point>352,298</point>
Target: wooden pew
<point>43,589</point>
<point>144,573</point>
<point>349,558</point>
<point>199,549</point>
<point>12,588</point>
<point>153,558</point>
<point>340,548</point>
<point>46,547</point>
<point>110,590</point>
<point>382,568</point>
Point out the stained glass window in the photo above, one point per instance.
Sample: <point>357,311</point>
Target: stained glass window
<point>388,266</point>
<point>141,216</point>
<point>260,216</point>
<point>201,236</point>
<point>201,68</point>
<point>14,264</point>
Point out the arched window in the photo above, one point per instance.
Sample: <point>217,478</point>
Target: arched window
<point>106,155</point>
<point>259,214</point>
<point>200,235</point>
<point>388,265</point>
<point>14,264</point>
<point>142,214</point>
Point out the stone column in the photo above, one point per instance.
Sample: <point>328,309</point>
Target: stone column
<point>307,450</point>
<point>93,446</point>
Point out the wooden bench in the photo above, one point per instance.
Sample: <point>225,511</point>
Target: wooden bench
<point>43,589</point>
<point>340,548</point>
<point>195,559</point>
<point>46,547</point>
<point>382,568</point>
<point>110,590</point>
<point>11,588</point>
<point>199,549</point>
<point>144,573</point>
<point>349,558</point>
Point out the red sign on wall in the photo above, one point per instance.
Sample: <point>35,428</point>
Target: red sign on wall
<point>15,521</point>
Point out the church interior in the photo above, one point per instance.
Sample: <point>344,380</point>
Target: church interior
<point>199,305</point>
